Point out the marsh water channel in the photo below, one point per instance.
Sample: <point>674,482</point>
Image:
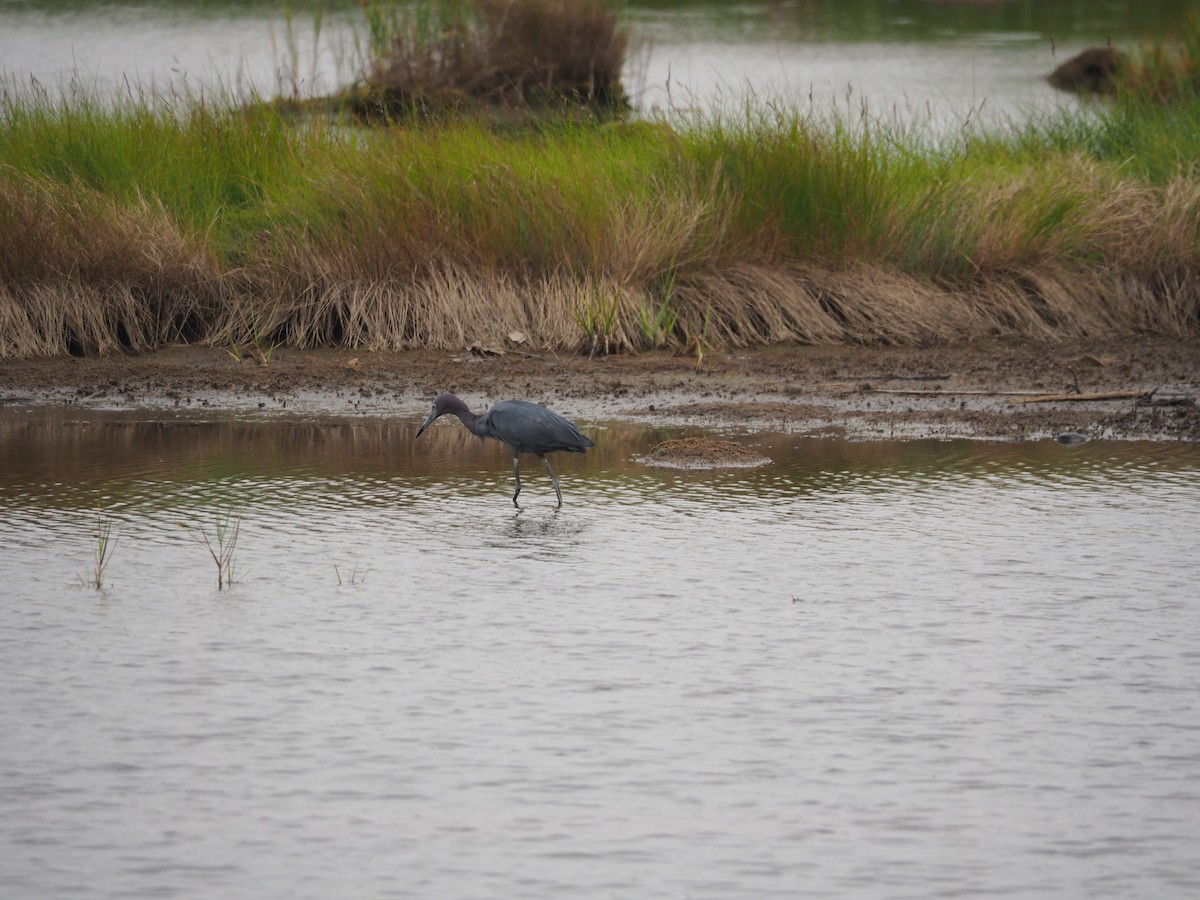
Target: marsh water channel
<point>864,670</point>
<point>921,61</point>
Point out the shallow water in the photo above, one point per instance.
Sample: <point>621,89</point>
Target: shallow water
<point>925,62</point>
<point>865,670</point>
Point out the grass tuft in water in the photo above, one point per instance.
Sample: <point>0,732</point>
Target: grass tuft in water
<point>102,550</point>
<point>222,545</point>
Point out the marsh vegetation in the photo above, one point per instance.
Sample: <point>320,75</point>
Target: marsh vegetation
<point>421,217</point>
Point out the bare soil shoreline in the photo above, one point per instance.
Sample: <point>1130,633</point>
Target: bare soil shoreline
<point>979,390</point>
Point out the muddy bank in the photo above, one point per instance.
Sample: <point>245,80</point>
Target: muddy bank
<point>979,390</point>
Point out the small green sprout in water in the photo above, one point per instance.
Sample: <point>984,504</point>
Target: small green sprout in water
<point>101,551</point>
<point>222,545</point>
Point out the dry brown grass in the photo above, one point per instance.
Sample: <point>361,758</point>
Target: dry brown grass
<point>80,272</point>
<point>450,309</point>
<point>741,306</point>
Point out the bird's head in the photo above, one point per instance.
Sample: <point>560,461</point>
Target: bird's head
<point>442,404</point>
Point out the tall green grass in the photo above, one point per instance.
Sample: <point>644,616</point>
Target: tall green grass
<point>203,162</point>
<point>127,225</point>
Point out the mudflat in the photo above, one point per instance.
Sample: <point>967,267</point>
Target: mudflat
<point>1142,388</point>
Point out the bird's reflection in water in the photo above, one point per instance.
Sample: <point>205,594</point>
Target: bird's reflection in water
<point>523,524</point>
<point>547,531</point>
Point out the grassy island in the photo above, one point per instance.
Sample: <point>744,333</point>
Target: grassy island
<point>530,206</point>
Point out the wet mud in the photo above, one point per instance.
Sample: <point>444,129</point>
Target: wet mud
<point>1133,389</point>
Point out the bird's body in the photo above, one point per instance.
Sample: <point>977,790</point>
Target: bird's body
<point>522,426</point>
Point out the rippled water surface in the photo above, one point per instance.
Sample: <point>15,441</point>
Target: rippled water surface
<point>866,670</point>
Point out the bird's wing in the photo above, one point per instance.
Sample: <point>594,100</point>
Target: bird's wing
<point>529,428</point>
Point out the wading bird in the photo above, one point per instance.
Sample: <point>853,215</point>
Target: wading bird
<point>525,427</point>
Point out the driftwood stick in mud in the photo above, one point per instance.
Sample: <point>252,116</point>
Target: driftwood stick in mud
<point>1168,400</point>
<point>914,392</point>
<point>1075,398</point>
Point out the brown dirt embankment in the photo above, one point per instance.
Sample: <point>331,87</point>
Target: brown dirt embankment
<point>978,390</point>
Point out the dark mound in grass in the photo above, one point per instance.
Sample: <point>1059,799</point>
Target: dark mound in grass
<point>514,56</point>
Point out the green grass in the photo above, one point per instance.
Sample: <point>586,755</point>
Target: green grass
<point>198,163</point>
<point>222,545</point>
<point>102,550</point>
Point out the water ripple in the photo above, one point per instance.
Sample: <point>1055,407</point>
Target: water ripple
<point>876,671</point>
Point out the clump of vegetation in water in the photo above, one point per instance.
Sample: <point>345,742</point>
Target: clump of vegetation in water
<point>500,60</point>
<point>703,453</point>
<point>102,551</point>
<point>222,545</point>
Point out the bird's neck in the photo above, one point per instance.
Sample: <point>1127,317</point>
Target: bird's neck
<point>467,417</point>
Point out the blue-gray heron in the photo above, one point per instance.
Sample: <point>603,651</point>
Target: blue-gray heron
<point>523,426</point>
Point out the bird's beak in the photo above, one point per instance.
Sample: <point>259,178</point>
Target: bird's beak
<point>432,416</point>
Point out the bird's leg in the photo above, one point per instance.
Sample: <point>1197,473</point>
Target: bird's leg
<point>517,472</point>
<point>553,478</point>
